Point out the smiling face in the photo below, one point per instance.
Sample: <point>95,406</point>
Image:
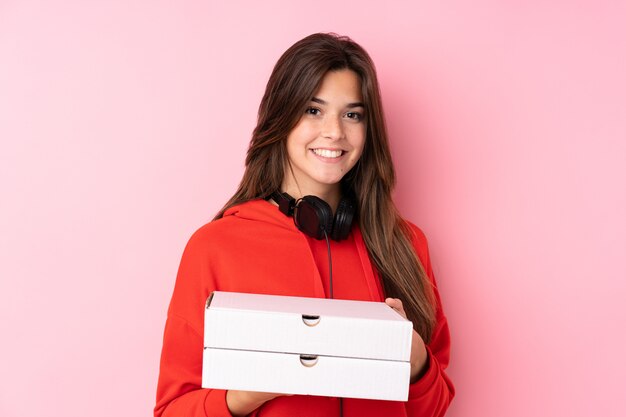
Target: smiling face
<point>329,138</point>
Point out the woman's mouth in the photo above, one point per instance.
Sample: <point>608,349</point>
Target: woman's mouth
<point>327,153</point>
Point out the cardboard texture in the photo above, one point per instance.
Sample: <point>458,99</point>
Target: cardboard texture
<point>310,346</point>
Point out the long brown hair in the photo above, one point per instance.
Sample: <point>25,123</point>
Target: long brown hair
<point>293,82</point>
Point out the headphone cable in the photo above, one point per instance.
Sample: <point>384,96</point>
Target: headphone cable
<point>330,279</point>
<point>330,265</point>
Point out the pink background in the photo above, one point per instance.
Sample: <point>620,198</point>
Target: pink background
<point>123,128</point>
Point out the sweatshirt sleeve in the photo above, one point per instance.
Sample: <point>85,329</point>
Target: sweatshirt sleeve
<point>430,396</point>
<point>179,391</point>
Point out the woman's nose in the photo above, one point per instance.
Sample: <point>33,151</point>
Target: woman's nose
<point>332,128</point>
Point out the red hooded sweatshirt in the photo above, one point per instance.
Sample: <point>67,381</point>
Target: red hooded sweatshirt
<point>254,248</point>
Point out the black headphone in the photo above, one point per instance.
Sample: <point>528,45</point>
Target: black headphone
<point>313,216</point>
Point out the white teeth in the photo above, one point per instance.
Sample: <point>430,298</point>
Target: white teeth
<point>327,153</point>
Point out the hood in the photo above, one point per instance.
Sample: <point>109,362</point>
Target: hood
<point>264,211</point>
<point>261,210</point>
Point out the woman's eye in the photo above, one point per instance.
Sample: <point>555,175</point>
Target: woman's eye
<point>354,115</point>
<point>312,111</point>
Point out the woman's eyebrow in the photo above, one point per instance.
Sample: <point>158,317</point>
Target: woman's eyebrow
<point>349,105</point>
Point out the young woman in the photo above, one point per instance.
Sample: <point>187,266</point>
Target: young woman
<point>321,140</point>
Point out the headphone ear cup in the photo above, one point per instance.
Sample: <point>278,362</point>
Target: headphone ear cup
<point>313,216</point>
<point>343,219</point>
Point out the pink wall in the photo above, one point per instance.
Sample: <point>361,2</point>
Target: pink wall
<point>123,127</point>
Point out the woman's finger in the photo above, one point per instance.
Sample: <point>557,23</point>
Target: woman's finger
<point>396,304</point>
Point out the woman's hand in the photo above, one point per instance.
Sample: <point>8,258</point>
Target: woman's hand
<point>242,403</point>
<point>419,355</point>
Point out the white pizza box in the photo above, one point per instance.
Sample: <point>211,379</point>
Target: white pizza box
<point>310,346</point>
